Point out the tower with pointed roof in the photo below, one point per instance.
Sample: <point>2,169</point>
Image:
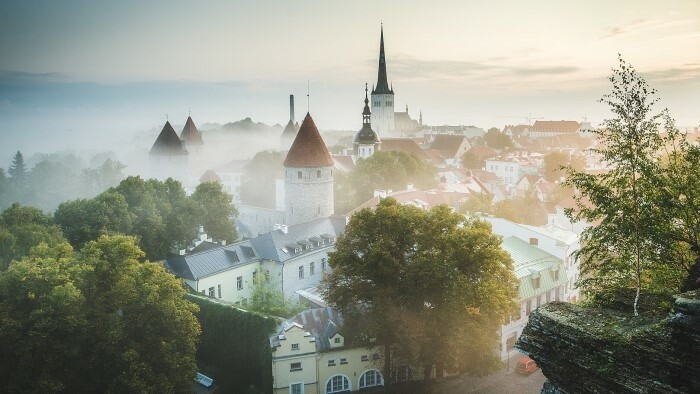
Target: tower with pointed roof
<point>168,156</point>
<point>382,96</point>
<point>290,131</point>
<point>308,176</point>
<point>192,137</point>
<point>366,140</point>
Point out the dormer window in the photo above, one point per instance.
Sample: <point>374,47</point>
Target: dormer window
<point>536,282</point>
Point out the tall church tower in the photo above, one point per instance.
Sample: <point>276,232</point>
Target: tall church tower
<point>308,176</point>
<point>366,141</point>
<point>382,97</point>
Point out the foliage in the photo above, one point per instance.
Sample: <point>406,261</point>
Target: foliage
<point>383,170</point>
<point>621,249</point>
<point>555,164</point>
<point>258,186</point>
<point>18,171</point>
<point>22,228</point>
<point>428,287</point>
<point>215,211</point>
<point>234,347</point>
<point>473,160</point>
<point>267,298</point>
<point>494,138</point>
<point>478,203</point>
<point>95,321</point>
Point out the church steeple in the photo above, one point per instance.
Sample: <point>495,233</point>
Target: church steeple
<point>366,114</point>
<point>382,86</point>
<point>366,140</point>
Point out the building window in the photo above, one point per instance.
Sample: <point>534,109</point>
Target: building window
<point>299,175</point>
<point>218,290</point>
<point>331,363</point>
<point>211,292</point>
<point>364,358</point>
<point>301,272</point>
<point>294,367</point>
<point>239,283</point>
<point>323,264</point>
<point>528,308</point>
<point>556,275</point>
<point>296,388</point>
<point>534,241</point>
<point>343,360</point>
<point>536,283</point>
<point>312,269</point>
<point>255,275</point>
<point>402,374</point>
<point>337,384</point>
<point>510,342</point>
<point>336,340</point>
<point>267,275</point>
<point>371,378</point>
<point>318,173</point>
<point>295,346</point>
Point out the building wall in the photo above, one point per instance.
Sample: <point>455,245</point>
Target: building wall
<point>284,356</point>
<point>259,220</point>
<point>176,167</point>
<point>228,282</point>
<point>353,366</point>
<point>308,193</point>
<point>383,114</point>
<point>508,171</point>
<point>363,151</point>
<point>291,267</point>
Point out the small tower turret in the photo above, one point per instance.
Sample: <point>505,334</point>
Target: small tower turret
<point>366,141</point>
<point>382,96</point>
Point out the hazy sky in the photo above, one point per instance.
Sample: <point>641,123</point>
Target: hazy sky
<point>77,69</point>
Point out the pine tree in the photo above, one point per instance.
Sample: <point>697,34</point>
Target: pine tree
<point>18,171</point>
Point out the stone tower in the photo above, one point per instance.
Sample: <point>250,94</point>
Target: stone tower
<point>169,156</point>
<point>382,97</point>
<point>308,176</point>
<point>192,137</point>
<point>366,141</point>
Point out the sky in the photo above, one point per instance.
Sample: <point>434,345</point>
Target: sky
<point>91,73</point>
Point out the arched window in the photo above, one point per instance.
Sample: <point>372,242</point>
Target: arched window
<point>338,384</point>
<point>371,378</point>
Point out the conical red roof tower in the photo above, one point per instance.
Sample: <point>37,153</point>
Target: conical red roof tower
<point>308,148</point>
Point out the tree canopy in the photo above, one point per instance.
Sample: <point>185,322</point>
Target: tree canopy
<point>407,279</point>
<point>494,138</point>
<point>22,228</point>
<point>215,211</point>
<point>555,164</point>
<point>94,321</point>
<point>626,246</point>
<point>383,170</point>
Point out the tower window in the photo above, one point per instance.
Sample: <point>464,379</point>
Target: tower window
<point>299,174</point>
<point>318,173</point>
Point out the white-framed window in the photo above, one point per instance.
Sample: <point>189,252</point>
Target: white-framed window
<point>218,290</point>
<point>336,340</point>
<point>371,378</point>
<point>312,269</point>
<point>211,292</point>
<point>239,283</point>
<point>296,388</point>
<point>301,272</point>
<point>364,358</point>
<point>331,363</point>
<point>294,367</point>
<point>343,360</point>
<point>402,373</point>
<point>295,346</point>
<point>337,384</point>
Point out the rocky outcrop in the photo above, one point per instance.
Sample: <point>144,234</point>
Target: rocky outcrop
<point>592,350</point>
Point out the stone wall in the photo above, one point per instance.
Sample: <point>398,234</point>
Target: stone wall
<point>595,350</point>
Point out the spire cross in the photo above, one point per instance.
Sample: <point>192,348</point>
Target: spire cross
<point>308,106</point>
<point>166,117</point>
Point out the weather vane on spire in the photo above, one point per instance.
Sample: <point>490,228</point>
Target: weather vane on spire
<point>308,106</point>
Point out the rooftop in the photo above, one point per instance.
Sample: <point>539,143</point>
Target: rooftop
<point>308,149</point>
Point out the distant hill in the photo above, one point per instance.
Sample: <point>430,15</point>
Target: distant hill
<point>247,125</point>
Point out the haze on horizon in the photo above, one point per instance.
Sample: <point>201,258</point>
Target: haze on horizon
<point>78,74</point>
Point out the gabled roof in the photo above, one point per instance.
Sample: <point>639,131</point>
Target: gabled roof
<point>308,149</point>
<point>275,245</point>
<point>321,323</point>
<point>209,176</point>
<point>531,261</point>
<point>450,146</point>
<point>210,262</point>
<point>190,134</point>
<point>343,162</point>
<point>406,145</point>
<point>558,126</point>
<point>168,143</point>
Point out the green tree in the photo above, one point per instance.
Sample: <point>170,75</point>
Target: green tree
<point>620,248</point>
<point>555,164</point>
<point>108,174</point>
<point>22,228</point>
<point>478,203</point>
<point>494,138</point>
<point>18,171</point>
<point>95,321</point>
<point>267,298</point>
<point>383,170</point>
<point>216,211</point>
<point>428,288</point>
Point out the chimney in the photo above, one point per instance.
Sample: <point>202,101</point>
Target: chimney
<point>200,229</point>
<point>284,228</point>
<point>291,107</point>
<point>409,186</point>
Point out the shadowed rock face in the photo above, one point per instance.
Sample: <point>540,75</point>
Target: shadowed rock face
<point>591,350</point>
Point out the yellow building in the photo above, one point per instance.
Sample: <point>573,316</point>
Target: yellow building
<point>309,356</point>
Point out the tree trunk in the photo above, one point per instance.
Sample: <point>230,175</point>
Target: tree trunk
<point>387,368</point>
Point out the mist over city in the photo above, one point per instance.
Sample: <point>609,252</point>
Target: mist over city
<point>325,197</point>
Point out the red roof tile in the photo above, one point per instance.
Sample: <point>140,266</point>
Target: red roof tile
<point>308,148</point>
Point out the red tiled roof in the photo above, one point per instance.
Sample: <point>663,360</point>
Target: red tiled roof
<point>450,146</point>
<point>168,143</point>
<point>209,176</point>
<point>406,145</point>
<point>308,148</point>
<point>190,134</point>
<point>482,151</point>
<point>560,126</point>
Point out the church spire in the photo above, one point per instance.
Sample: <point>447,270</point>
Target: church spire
<point>382,84</point>
<point>366,113</point>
